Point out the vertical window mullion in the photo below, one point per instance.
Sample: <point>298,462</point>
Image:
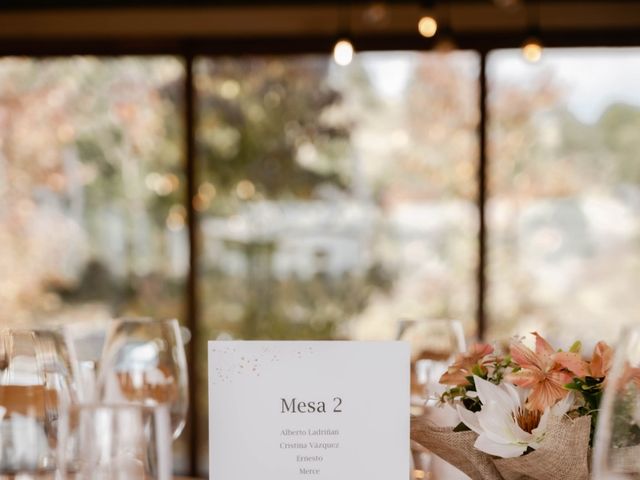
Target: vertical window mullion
<point>481,285</point>
<point>192,278</point>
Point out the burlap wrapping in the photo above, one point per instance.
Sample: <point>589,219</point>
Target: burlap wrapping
<point>454,447</point>
<point>563,455</point>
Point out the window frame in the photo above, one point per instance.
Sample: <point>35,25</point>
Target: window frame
<point>188,49</point>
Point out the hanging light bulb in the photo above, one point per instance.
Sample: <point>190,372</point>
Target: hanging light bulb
<point>532,46</point>
<point>532,50</point>
<point>343,52</point>
<point>428,26</point>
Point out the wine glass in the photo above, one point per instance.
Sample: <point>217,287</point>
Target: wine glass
<point>36,385</point>
<point>62,365</point>
<point>617,441</point>
<point>115,442</point>
<point>434,343</point>
<point>144,362</point>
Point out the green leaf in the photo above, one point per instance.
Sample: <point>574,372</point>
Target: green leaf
<point>472,383</point>
<point>576,347</point>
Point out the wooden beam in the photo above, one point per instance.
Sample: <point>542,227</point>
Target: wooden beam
<point>293,21</point>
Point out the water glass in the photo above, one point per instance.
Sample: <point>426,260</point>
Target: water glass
<point>36,385</point>
<point>115,442</point>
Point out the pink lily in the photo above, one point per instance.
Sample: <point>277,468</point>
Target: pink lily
<point>477,355</point>
<point>598,367</point>
<point>540,372</point>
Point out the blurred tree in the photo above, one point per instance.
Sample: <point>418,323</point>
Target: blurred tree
<point>620,124</point>
<point>89,149</point>
<point>442,122</point>
<point>261,128</point>
<point>274,129</point>
<point>564,192</point>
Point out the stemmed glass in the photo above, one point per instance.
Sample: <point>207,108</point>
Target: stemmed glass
<point>37,372</point>
<point>617,442</point>
<point>143,362</point>
<point>434,343</point>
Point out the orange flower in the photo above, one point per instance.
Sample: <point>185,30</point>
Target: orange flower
<point>598,367</point>
<point>540,372</point>
<point>457,373</point>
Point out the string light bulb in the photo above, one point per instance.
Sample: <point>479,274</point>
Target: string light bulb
<point>532,50</point>
<point>428,26</point>
<point>532,46</point>
<point>343,52</point>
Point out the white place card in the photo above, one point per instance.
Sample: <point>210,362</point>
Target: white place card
<point>309,410</point>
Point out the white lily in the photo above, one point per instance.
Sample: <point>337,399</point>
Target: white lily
<point>504,426</point>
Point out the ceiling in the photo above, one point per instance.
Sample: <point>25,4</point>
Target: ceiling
<point>58,4</point>
<point>235,25</point>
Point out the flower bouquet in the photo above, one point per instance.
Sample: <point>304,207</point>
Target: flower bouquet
<point>529,414</point>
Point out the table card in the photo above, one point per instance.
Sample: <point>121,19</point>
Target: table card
<point>309,410</point>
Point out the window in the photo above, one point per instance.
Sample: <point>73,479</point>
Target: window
<point>92,186</point>
<point>333,201</point>
<point>92,192</point>
<point>565,189</point>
